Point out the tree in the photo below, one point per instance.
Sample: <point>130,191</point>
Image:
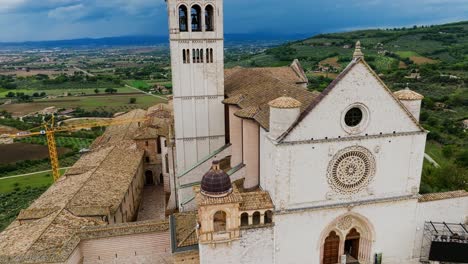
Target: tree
<point>96,91</point>
<point>462,159</point>
<point>10,95</point>
<point>36,94</point>
<point>111,90</point>
<point>132,100</point>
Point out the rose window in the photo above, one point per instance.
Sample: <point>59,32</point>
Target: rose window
<point>351,170</point>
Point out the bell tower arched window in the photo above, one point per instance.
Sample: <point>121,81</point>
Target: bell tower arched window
<point>196,18</point>
<point>209,19</point>
<point>219,221</point>
<point>183,18</point>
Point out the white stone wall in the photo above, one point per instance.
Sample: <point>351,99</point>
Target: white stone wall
<point>140,248</point>
<point>299,236</point>
<point>414,106</point>
<point>198,87</point>
<point>251,155</point>
<point>295,175</point>
<point>235,135</point>
<point>254,247</point>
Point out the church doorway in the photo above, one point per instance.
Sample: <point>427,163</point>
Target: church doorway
<point>149,180</point>
<point>351,247</point>
<point>331,248</point>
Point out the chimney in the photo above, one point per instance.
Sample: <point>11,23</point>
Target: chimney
<point>284,111</point>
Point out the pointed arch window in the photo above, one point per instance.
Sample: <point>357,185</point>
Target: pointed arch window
<point>196,18</point>
<point>209,18</point>
<point>183,18</point>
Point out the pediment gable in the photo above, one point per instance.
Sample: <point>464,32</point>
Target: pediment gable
<point>357,86</point>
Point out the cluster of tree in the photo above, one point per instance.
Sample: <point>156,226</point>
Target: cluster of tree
<point>15,123</point>
<point>5,114</point>
<point>89,134</point>
<point>319,83</point>
<point>147,72</point>
<point>79,112</point>
<point>7,82</point>
<point>79,77</point>
<point>448,177</point>
<point>283,53</point>
<point>12,203</point>
<point>23,97</point>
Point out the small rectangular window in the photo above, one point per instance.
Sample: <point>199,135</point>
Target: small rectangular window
<point>158,144</point>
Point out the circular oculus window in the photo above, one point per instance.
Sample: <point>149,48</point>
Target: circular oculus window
<point>351,170</point>
<point>355,119</point>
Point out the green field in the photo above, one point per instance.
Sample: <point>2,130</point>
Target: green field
<point>43,179</point>
<point>140,84</point>
<point>67,142</point>
<point>406,54</point>
<point>42,166</point>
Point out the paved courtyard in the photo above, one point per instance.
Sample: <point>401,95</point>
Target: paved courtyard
<point>153,204</point>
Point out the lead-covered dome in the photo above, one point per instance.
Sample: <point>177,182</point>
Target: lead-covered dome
<point>216,182</point>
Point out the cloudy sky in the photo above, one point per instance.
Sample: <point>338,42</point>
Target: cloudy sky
<point>22,20</point>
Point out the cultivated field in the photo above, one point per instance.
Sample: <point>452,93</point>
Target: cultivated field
<point>111,103</point>
<point>11,153</point>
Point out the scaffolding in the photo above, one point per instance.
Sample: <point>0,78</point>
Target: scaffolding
<point>447,234</point>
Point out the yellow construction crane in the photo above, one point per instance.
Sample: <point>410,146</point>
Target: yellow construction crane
<point>50,128</point>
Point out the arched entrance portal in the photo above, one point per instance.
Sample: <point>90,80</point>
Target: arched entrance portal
<point>149,180</point>
<point>351,235</point>
<point>351,247</point>
<point>331,248</point>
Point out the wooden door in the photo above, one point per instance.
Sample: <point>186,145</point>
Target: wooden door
<point>331,248</point>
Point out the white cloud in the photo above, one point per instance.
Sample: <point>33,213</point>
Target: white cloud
<point>72,12</point>
<point>6,5</point>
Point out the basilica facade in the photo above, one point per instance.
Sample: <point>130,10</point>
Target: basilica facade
<point>296,176</point>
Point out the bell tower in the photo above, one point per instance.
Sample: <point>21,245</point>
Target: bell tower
<point>197,60</point>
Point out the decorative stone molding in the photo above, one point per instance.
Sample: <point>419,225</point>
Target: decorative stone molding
<point>345,223</point>
<point>351,170</point>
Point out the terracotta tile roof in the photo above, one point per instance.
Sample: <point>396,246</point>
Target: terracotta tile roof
<point>94,186</point>
<point>259,88</point>
<point>408,95</point>
<point>185,226</point>
<point>234,197</point>
<point>248,112</point>
<point>292,74</point>
<point>285,103</point>
<point>255,201</point>
<point>234,100</point>
<point>442,196</point>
